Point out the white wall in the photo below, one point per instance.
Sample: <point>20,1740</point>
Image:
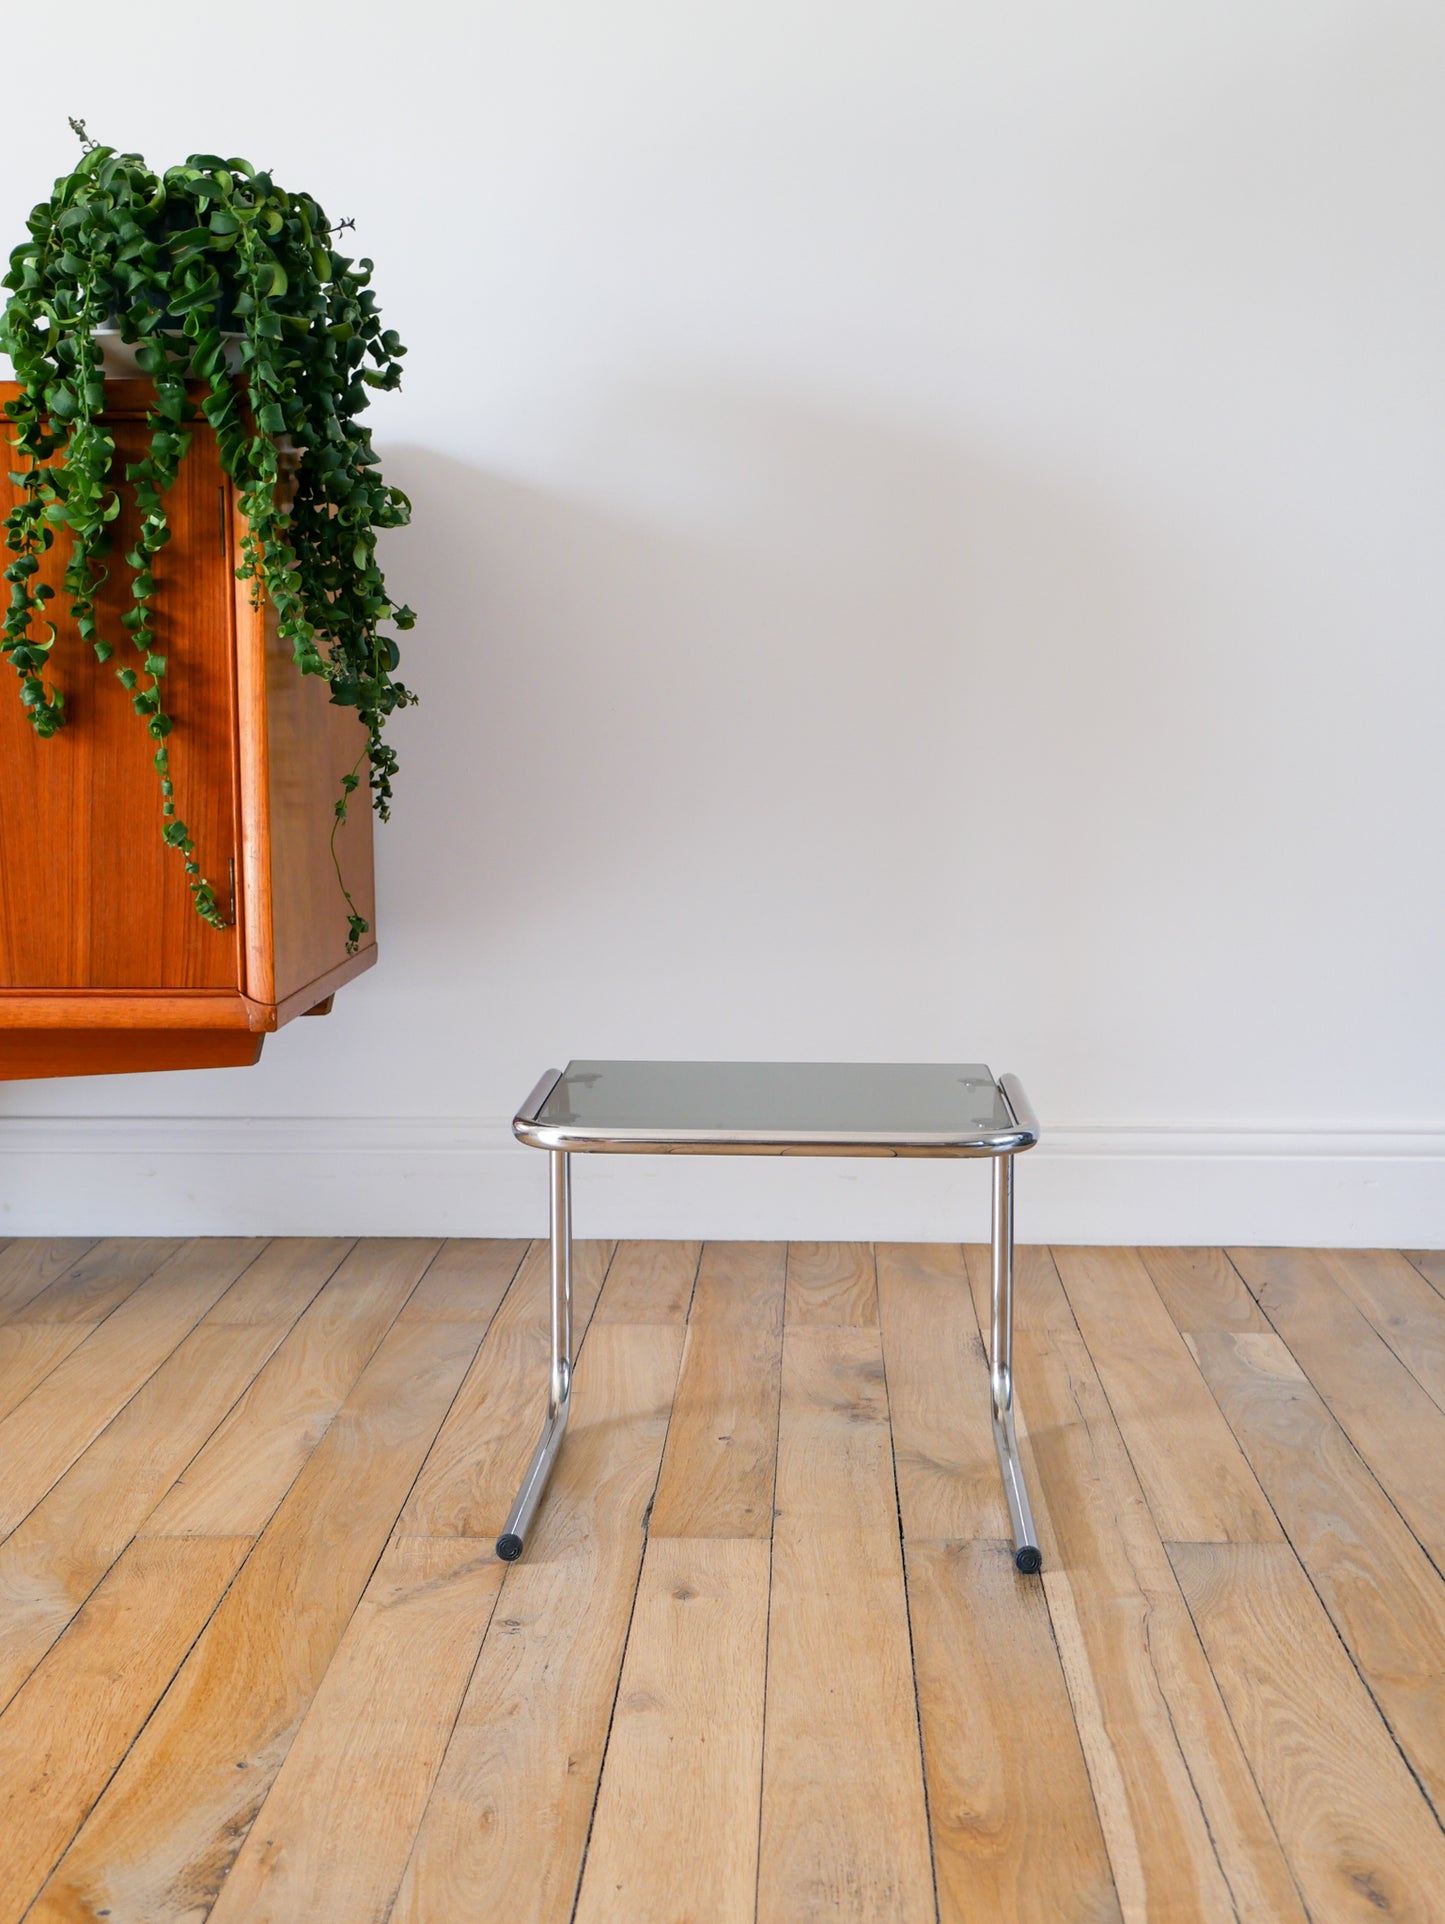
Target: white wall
<point>928,543</point>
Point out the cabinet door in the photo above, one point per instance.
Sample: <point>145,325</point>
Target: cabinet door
<point>90,898</point>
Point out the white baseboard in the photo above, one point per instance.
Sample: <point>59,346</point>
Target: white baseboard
<point>417,1176</point>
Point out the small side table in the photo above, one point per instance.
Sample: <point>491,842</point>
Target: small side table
<point>778,1109</point>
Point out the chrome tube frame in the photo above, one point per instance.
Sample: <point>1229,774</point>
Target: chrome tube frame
<point>1001,1145</point>
<point>512,1541</point>
<point>1001,1383</point>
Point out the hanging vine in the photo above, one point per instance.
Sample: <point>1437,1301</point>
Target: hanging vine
<point>216,276</point>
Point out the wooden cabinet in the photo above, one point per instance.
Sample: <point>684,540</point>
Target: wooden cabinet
<point>104,964</point>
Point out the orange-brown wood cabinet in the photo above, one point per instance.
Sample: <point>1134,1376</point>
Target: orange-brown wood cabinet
<point>104,964</point>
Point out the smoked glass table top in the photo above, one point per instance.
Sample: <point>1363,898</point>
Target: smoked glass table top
<point>779,1108</point>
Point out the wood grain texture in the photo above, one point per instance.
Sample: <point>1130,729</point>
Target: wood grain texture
<point>29,1352</point>
<point>50,1564</point>
<point>31,1264</point>
<point>1386,1599</point>
<point>1202,1290</point>
<point>506,1827</point>
<point>158,1845</point>
<point>650,1282</point>
<point>1388,1417</point>
<point>832,1284</point>
<point>331,1841</point>
<point>1400,1305</point>
<point>685,1752</point>
<point>1430,1263</point>
<point>233,1485</point>
<point>116,1660</point>
<point>285,1277</point>
<point>1039,1300</point>
<point>717,1470</point>
<point>1359,1836</point>
<point>466,1281</point>
<point>1195,1477</point>
<point>616,1722</point>
<point>844,1821</point>
<point>1015,1832</point>
<point>1191,1833</point>
<point>81,1046</point>
<point>1106,1773</point>
<point>42,1436</point>
<point>128,1009</point>
<point>310,743</point>
<point>948,1480</point>
<point>473,1470</point>
<point>89,895</point>
<point>101,1279</point>
<point>88,903</point>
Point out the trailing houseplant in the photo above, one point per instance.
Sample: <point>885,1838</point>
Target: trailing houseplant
<point>189,266</point>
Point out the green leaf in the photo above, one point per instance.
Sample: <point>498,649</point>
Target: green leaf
<point>181,248</point>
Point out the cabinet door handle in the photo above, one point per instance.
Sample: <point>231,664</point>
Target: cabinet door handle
<point>221,511</point>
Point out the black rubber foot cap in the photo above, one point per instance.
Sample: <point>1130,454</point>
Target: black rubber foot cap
<point>509,1548</point>
<point>1028,1560</point>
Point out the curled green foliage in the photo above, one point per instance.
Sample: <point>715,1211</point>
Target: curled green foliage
<point>179,262</point>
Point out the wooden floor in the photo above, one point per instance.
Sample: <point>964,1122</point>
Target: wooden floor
<point>767,1655</point>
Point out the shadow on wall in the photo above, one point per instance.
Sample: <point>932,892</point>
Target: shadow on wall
<point>777,733</point>
<point>771,676</point>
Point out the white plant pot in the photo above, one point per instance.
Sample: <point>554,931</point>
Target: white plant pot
<point>117,357</point>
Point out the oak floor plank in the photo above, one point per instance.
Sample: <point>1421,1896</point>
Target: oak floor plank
<point>29,1352</point>
<point>284,1278</point>
<point>1400,1305</point>
<point>1016,1836</point>
<point>160,1841</point>
<point>614,1722</point>
<point>1357,1832</point>
<point>50,1564</point>
<point>101,1279</point>
<point>235,1482</point>
<point>63,1313</point>
<point>740,1285</point>
<point>115,1661</point>
<point>1385,1597</point>
<point>1430,1263</point>
<point>42,1436</point>
<point>1039,1299</point>
<point>1390,1420</point>
<point>473,1469</point>
<point>832,1284</point>
<point>1187,1834</point>
<point>506,1827</point>
<point>844,1820</point>
<point>331,1841</point>
<point>650,1282</point>
<point>1195,1476</point>
<point>30,1264</point>
<point>938,1394</point>
<point>717,1469</point>
<point>675,1834</point>
<point>1202,1290</point>
<point>1101,1758</point>
<point>467,1280</point>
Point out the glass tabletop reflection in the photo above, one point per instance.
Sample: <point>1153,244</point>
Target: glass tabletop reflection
<point>883,1106</point>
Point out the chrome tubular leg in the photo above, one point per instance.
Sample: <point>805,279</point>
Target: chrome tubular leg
<point>1001,1379</point>
<point>512,1541</point>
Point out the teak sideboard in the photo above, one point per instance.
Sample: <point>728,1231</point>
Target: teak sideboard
<point>104,965</point>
